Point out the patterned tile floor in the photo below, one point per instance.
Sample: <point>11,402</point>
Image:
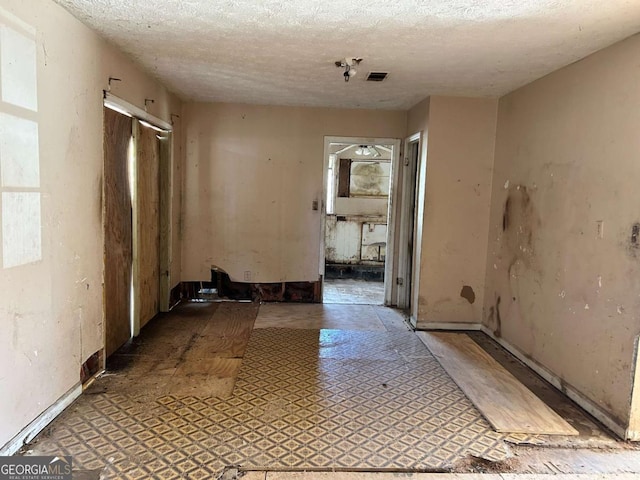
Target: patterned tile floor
<point>302,398</point>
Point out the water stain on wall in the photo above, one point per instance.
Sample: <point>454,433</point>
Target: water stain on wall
<point>368,179</point>
<point>498,330</point>
<point>634,240</point>
<point>493,319</point>
<point>519,224</point>
<point>368,170</point>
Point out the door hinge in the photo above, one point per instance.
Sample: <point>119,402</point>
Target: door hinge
<point>406,161</point>
<point>399,281</point>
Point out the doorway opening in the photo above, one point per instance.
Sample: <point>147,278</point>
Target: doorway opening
<point>357,221</point>
<point>409,236</point>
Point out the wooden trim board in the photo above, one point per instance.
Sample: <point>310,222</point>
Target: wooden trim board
<point>450,326</point>
<point>572,393</point>
<point>507,405</point>
<point>41,422</point>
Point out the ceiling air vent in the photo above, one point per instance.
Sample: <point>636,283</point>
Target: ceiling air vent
<point>377,76</point>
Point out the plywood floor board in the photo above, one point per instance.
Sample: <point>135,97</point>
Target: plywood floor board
<point>507,405</point>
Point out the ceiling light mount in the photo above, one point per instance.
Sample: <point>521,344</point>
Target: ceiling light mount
<point>350,65</point>
<point>367,150</point>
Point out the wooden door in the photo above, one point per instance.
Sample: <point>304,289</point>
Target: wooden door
<point>117,231</point>
<point>147,226</point>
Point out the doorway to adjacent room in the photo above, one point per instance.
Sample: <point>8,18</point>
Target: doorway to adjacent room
<point>357,219</point>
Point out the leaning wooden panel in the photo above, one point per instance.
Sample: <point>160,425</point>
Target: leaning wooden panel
<point>164,178</point>
<point>508,406</point>
<point>147,200</point>
<point>117,231</point>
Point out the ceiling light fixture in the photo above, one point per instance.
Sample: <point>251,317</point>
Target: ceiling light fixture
<point>364,150</point>
<point>350,66</point>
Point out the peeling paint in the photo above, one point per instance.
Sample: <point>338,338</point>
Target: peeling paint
<point>468,294</point>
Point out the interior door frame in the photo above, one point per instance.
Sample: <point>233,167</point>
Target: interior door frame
<point>165,191</point>
<point>408,220</point>
<point>390,260</point>
<point>137,114</point>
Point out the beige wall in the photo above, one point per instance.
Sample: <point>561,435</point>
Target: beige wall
<point>567,145</point>
<point>568,157</point>
<point>251,175</point>
<point>51,310</point>
<point>417,123</point>
<point>459,159</point>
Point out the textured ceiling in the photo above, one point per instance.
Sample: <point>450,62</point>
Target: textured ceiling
<point>283,51</point>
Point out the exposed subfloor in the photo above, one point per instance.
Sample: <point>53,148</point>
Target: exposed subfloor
<point>353,292</point>
<point>319,387</point>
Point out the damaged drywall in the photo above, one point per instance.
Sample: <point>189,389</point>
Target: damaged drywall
<point>355,239</point>
<point>562,271</point>
<point>468,294</point>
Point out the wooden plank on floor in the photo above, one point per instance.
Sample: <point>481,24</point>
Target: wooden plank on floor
<point>507,405</point>
<point>231,320</point>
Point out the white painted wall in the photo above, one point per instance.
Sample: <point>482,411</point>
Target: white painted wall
<point>51,308</point>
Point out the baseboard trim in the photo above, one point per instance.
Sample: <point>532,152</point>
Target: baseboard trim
<point>40,423</point>
<point>586,404</point>
<point>451,326</point>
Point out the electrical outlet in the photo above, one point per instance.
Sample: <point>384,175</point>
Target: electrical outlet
<point>247,275</point>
